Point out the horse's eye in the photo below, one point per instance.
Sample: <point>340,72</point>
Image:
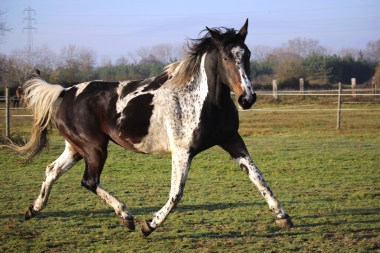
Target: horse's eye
<point>225,59</point>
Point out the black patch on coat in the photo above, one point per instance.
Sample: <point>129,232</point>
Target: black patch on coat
<point>136,118</point>
<point>150,85</point>
<point>130,87</point>
<point>94,88</point>
<point>157,82</point>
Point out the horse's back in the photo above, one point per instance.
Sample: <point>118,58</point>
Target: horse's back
<point>120,111</point>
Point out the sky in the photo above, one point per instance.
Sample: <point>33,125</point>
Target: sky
<point>114,28</point>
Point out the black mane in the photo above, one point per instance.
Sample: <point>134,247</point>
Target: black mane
<point>202,45</point>
<point>181,72</point>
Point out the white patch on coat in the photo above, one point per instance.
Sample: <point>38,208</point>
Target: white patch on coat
<point>246,84</point>
<point>176,115</point>
<point>53,171</point>
<point>80,88</point>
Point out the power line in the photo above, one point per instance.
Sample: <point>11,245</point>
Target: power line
<point>29,28</point>
<point>212,13</point>
<point>177,25</point>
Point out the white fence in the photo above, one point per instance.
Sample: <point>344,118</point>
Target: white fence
<point>344,92</point>
<point>337,93</point>
<point>275,93</point>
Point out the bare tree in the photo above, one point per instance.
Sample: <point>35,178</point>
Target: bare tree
<point>281,54</point>
<point>372,51</point>
<point>86,62</point>
<point>179,51</point>
<point>163,52</point>
<point>133,57</point>
<point>4,28</point>
<point>105,61</point>
<point>69,62</point>
<point>260,52</point>
<point>350,52</point>
<point>289,69</point>
<point>45,60</point>
<point>121,61</point>
<point>305,47</point>
<point>18,66</point>
<point>143,52</point>
<point>4,73</point>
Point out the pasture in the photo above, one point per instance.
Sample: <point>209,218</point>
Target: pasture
<point>328,181</point>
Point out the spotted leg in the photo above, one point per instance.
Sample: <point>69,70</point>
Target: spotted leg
<point>65,161</point>
<point>180,168</point>
<point>236,148</point>
<point>120,208</point>
<point>95,157</point>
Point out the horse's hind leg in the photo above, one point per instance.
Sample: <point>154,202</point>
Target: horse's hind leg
<point>65,161</point>
<point>95,158</point>
<point>236,148</point>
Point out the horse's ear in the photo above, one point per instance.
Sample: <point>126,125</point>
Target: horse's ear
<point>244,30</point>
<point>217,38</point>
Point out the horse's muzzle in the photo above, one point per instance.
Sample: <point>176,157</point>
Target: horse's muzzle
<point>246,100</point>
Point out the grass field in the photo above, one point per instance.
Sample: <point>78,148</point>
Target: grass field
<point>328,180</point>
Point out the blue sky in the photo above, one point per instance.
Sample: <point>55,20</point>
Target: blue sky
<point>113,28</point>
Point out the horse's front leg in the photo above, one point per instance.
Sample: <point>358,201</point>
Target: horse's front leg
<point>236,148</point>
<point>180,167</point>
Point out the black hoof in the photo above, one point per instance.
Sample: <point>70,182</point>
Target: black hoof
<point>285,222</point>
<point>129,223</point>
<point>146,229</point>
<point>30,213</point>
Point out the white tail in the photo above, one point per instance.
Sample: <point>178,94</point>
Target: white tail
<point>42,98</point>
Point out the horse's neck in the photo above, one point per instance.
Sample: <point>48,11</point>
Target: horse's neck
<point>218,92</point>
<point>197,85</point>
<point>205,84</point>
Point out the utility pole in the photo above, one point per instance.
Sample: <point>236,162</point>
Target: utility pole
<point>29,28</point>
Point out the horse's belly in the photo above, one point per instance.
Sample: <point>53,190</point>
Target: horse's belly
<point>156,141</point>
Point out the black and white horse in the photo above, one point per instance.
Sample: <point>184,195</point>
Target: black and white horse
<point>183,111</point>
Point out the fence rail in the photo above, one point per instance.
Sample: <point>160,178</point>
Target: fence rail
<point>3,98</point>
<point>344,92</point>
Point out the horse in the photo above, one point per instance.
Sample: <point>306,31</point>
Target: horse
<point>183,111</point>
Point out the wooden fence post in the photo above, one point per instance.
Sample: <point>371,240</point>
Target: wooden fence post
<point>274,84</point>
<point>302,85</point>
<point>353,83</point>
<point>7,115</point>
<point>373,85</point>
<point>339,102</point>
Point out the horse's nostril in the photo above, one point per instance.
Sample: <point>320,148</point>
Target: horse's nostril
<point>247,100</point>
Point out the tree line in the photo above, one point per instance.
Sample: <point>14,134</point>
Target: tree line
<point>305,58</point>
<point>298,58</point>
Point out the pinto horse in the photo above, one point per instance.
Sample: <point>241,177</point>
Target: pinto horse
<point>183,111</point>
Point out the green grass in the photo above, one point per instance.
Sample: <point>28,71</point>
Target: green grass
<point>328,180</point>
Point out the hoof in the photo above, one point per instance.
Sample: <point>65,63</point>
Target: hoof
<point>146,229</point>
<point>129,223</point>
<point>30,213</point>
<point>285,222</point>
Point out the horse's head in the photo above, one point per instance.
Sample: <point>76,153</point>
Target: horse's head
<point>233,64</point>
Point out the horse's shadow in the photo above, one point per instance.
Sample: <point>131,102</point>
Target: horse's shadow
<point>144,211</point>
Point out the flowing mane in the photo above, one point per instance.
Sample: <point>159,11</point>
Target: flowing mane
<point>181,72</point>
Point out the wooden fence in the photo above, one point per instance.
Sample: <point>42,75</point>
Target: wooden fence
<point>275,93</point>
